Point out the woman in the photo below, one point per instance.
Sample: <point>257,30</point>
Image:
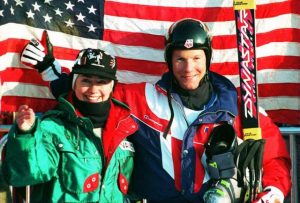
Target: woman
<point>61,155</point>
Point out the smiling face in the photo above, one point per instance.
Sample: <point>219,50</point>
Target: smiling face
<point>93,89</point>
<point>189,67</point>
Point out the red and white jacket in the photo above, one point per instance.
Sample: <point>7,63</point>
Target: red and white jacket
<point>174,169</point>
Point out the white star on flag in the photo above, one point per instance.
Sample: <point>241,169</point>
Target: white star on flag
<point>91,28</point>
<point>92,9</point>
<point>36,6</point>
<point>69,5</point>
<point>19,3</point>
<point>58,12</point>
<point>47,18</point>
<point>80,17</point>
<point>30,14</point>
<point>69,23</point>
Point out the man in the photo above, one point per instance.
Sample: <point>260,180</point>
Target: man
<point>77,152</point>
<point>176,117</point>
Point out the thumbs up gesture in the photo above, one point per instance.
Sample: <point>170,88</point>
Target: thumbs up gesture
<point>40,56</point>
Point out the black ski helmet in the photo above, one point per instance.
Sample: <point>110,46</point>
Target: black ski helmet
<point>188,33</point>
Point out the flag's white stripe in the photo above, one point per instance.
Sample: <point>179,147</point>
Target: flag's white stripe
<point>25,90</point>
<point>219,55</point>
<point>216,28</point>
<point>34,91</point>
<point>179,3</point>
<point>134,77</point>
<point>270,76</point>
<point>273,103</point>
<point>279,49</point>
<point>10,59</point>
<point>68,41</point>
<point>271,49</point>
<point>264,76</point>
<point>136,25</point>
<point>134,52</point>
<point>150,54</point>
<point>189,3</point>
<point>278,22</point>
<point>13,60</point>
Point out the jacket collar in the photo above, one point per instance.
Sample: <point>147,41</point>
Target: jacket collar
<point>119,125</point>
<point>223,89</point>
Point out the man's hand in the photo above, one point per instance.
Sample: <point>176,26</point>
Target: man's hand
<point>270,195</point>
<point>42,59</point>
<point>25,118</point>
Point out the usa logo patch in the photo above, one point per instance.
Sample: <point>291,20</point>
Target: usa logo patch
<point>189,43</point>
<point>126,145</point>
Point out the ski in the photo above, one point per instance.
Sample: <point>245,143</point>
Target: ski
<point>246,43</point>
<point>244,11</point>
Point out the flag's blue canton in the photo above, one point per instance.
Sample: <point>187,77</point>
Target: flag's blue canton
<point>82,18</point>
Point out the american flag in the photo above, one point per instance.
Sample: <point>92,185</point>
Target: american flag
<point>134,30</point>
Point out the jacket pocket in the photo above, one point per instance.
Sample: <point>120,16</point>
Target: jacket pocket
<point>117,176</point>
<point>124,156</point>
<point>80,173</point>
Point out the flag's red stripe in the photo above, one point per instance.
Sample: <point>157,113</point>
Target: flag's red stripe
<point>278,62</point>
<point>226,68</point>
<point>282,62</point>
<point>161,13</point>
<point>158,68</point>
<point>12,45</point>
<point>142,66</point>
<point>207,14</point>
<point>219,42</point>
<point>134,39</point>
<point>278,35</point>
<point>17,46</point>
<point>279,8</point>
<point>65,53</point>
<point>285,116</point>
<point>265,90</point>
<point>11,103</point>
<point>153,41</point>
<point>22,75</point>
<point>279,89</point>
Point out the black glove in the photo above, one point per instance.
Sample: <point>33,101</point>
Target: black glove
<point>42,59</point>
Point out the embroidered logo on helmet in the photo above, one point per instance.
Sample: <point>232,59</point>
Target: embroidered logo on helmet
<point>189,43</point>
